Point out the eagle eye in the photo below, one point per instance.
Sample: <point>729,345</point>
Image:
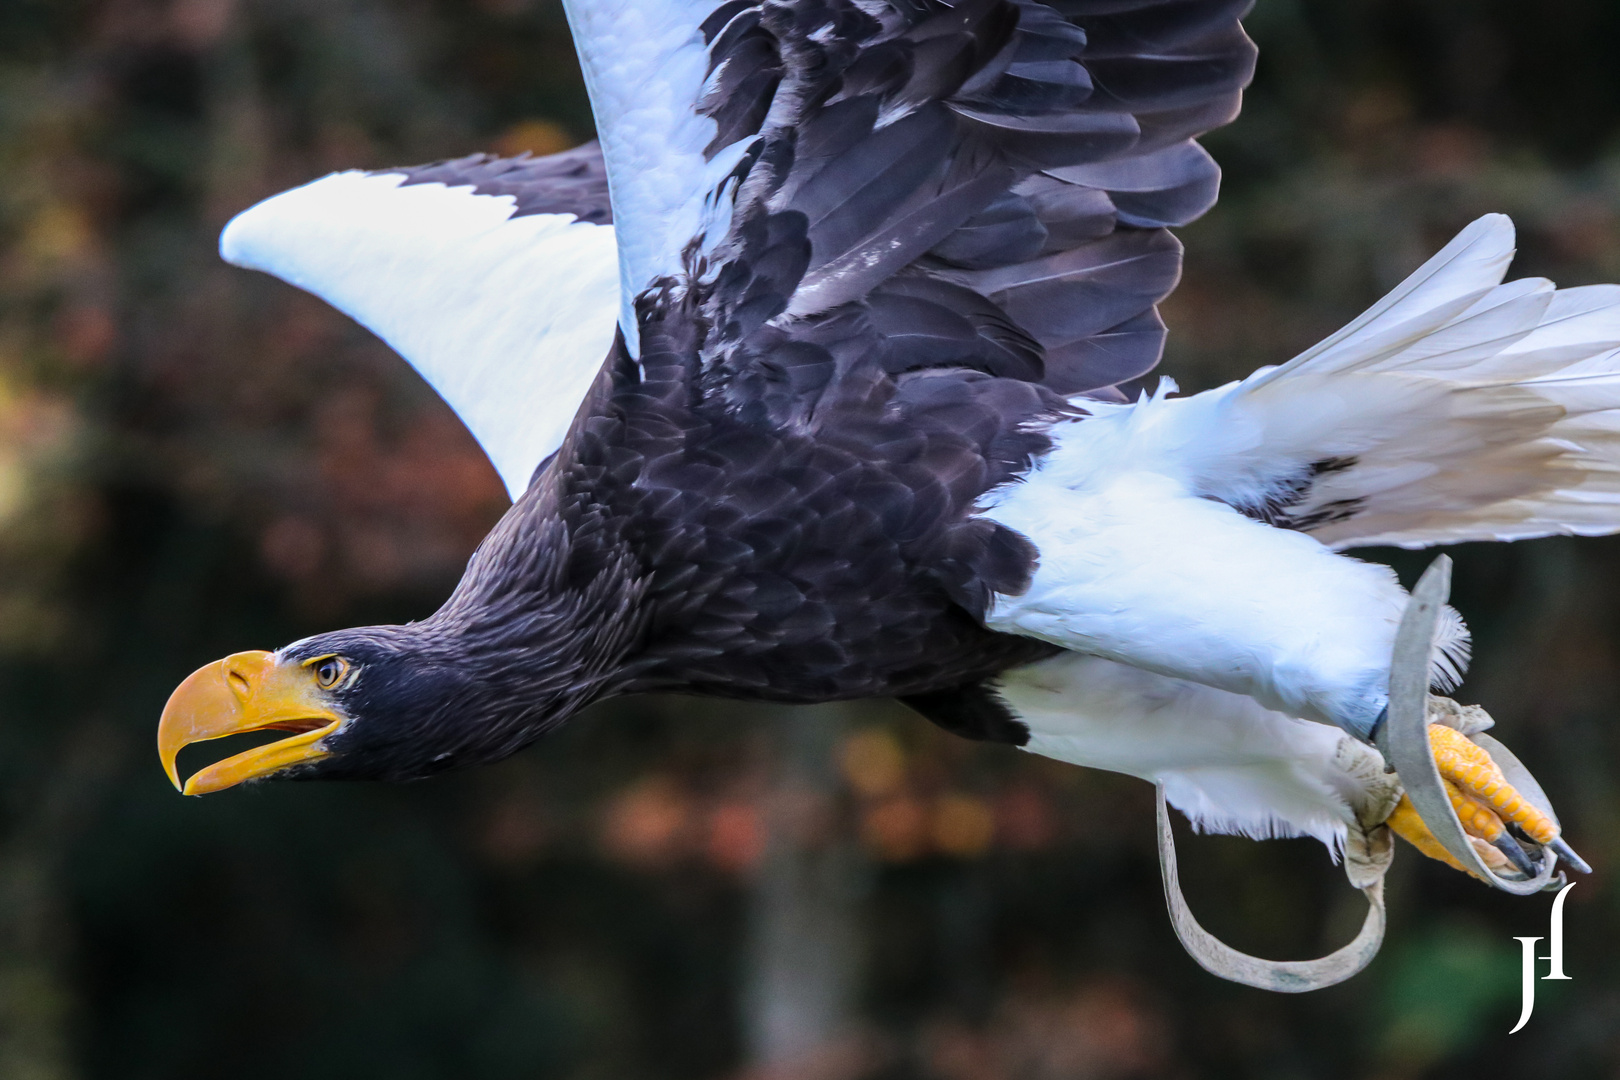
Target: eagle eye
<point>329,671</point>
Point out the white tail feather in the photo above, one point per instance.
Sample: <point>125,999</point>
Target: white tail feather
<point>1456,408</point>
<point>1461,272</point>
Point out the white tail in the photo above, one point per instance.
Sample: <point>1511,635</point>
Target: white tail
<point>1456,408</point>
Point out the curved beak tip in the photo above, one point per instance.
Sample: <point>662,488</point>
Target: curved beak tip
<point>201,707</point>
<point>244,692</point>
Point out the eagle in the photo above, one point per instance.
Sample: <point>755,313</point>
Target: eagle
<point>805,381</point>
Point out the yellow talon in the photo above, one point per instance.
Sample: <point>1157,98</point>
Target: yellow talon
<point>1477,818</point>
<point>1485,802</point>
<point>1408,825</point>
<point>1469,771</point>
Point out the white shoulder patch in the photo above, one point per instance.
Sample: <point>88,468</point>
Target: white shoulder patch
<point>508,318</point>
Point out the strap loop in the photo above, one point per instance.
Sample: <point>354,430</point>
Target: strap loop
<point>1284,976</point>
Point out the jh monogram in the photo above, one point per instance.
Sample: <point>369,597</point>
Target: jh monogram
<point>1554,957</point>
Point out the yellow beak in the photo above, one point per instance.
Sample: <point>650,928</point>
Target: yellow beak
<point>246,692</point>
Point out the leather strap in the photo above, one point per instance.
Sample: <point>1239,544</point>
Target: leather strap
<point>1285,976</point>
<point>1404,740</point>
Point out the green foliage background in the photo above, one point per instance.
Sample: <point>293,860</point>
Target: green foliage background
<point>195,460</point>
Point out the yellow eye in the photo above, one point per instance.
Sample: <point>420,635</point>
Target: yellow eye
<point>329,671</point>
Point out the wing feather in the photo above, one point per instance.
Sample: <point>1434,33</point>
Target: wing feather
<point>496,279</point>
<point>1030,179</point>
<point>1030,152</point>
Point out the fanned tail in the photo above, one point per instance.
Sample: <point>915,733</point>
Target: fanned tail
<point>1457,408</point>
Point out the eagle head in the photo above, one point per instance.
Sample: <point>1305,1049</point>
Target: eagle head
<point>538,628</point>
<point>372,703</point>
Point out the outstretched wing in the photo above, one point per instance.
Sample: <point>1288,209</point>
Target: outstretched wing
<point>496,278</point>
<point>982,185</point>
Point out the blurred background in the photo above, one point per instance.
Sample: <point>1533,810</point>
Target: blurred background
<point>196,460</point>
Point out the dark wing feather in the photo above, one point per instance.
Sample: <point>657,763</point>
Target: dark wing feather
<point>983,186</point>
<point>571,182</point>
<point>947,221</point>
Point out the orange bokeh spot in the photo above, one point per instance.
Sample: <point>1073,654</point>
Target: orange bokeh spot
<point>896,829</point>
<point>649,824</point>
<point>736,837</point>
<point>873,762</point>
<point>964,826</point>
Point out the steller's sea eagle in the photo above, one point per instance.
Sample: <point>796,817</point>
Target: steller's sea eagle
<point>803,383</point>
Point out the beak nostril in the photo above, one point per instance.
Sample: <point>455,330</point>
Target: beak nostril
<point>239,684</point>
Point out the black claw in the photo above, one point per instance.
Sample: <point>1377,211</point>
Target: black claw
<point>1567,853</point>
<point>1516,854</point>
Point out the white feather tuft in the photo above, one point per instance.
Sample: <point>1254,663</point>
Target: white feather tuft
<point>1452,649</point>
<point>1226,763</point>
